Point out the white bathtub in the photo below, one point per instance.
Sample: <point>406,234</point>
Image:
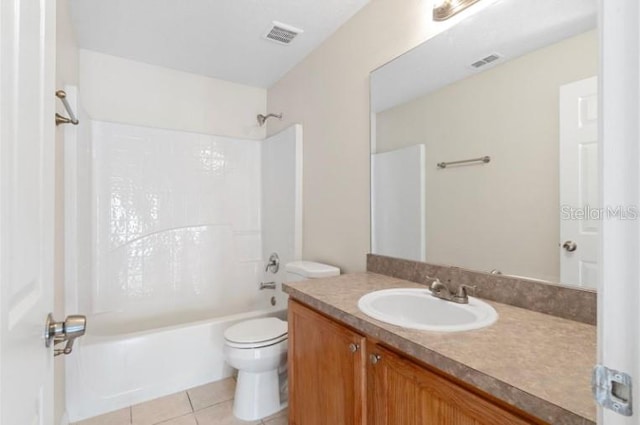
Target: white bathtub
<point>122,361</point>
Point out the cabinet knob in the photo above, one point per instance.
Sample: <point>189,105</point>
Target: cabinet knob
<point>353,347</point>
<point>375,358</point>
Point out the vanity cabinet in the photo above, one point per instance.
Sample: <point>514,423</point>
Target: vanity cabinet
<point>326,370</point>
<point>402,392</point>
<point>337,376</point>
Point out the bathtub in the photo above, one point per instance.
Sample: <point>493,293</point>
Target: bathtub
<point>123,361</point>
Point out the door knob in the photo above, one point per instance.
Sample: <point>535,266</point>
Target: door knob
<point>74,326</point>
<point>353,347</point>
<point>375,358</point>
<point>570,246</point>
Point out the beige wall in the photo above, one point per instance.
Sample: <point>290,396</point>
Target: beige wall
<point>66,73</point>
<point>507,212</point>
<point>125,91</point>
<point>328,93</point>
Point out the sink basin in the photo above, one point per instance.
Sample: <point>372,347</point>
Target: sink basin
<point>415,308</point>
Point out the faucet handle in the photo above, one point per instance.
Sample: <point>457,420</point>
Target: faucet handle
<point>434,283</point>
<point>431,280</point>
<point>440,290</point>
<point>273,265</point>
<point>464,290</point>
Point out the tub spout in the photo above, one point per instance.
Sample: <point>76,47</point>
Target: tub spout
<point>267,285</point>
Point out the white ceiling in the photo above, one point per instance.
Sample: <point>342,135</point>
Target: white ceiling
<point>510,27</point>
<point>216,38</point>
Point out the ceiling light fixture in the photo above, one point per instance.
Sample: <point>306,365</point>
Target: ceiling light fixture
<point>444,9</point>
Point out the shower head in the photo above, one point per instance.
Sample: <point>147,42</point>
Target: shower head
<point>263,118</point>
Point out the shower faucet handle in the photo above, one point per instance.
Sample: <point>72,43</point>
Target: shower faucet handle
<point>273,265</point>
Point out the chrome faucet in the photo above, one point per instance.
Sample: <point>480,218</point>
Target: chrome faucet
<point>442,291</point>
<point>273,265</point>
<point>267,285</point>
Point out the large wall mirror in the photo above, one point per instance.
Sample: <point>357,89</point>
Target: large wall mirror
<point>485,141</point>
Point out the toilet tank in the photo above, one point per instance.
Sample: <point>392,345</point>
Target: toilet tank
<point>303,270</point>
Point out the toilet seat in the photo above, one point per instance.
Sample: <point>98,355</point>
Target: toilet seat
<point>254,345</point>
<point>256,333</point>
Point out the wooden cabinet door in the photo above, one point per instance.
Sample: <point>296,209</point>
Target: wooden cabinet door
<point>326,372</point>
<point>401,392</point>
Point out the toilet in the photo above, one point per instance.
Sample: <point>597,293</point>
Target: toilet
<point>257,348</point>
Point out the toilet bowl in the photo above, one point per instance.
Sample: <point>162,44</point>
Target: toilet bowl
<point>257,348</point>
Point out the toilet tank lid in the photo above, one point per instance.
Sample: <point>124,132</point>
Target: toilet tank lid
<point>256,330</point>
<point>311,269</point>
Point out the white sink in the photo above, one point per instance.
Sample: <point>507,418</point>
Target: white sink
<point>417,309</point>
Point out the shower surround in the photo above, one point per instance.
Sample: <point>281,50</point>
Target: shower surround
<point>166,246</point>
<point>178,215</point>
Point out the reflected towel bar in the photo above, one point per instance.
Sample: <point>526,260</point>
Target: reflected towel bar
<point>62,95</point>
<point>484,159</point>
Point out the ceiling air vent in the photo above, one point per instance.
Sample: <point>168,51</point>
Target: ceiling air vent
<point>282,33</point>
<point>486,61</point>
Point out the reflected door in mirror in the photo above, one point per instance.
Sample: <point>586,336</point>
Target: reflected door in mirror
<point>579,188</point>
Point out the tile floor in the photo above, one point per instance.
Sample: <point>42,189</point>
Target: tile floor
<point>209,404</point>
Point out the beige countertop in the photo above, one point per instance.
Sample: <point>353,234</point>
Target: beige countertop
<point>538,363</point>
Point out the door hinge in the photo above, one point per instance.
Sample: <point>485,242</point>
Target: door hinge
<point>612,389</point>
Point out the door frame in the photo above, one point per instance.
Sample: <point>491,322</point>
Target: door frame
<point>619,131</point>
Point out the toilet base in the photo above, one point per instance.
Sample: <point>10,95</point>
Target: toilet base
<point>257,395</point>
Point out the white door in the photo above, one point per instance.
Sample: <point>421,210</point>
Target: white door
<point>27,73</point>
<point>579,188</point>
